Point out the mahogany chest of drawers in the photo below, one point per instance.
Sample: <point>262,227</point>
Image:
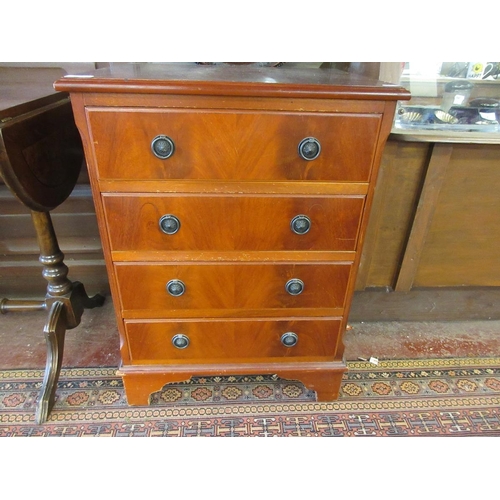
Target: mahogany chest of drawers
<point>232,203</point>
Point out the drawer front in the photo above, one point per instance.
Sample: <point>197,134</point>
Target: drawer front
<point>224,223</point>
<point>231,340</point>
<point>173,287</point>
<point>232,146</point>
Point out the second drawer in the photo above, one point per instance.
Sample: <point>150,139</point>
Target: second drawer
<point>224,223</point>
<point>163,288</point>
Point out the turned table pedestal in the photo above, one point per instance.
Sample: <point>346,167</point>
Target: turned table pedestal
<point>40,160</point>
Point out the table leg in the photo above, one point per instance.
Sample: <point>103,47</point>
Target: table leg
<point>65,301</point>
<point>54,331</point>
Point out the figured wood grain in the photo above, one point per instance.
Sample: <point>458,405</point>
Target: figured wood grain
<point>235,203</point>
<point>235,145</point>
<point>231,286</point>
<point>230,341</point>
<point>232,222</point>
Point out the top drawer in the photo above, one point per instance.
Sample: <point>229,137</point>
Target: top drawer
<point>232,145</point>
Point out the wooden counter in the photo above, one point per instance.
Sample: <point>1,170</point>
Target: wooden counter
<point>433,237</point>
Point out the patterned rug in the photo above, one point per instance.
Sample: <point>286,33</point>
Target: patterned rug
<point>432,397</point>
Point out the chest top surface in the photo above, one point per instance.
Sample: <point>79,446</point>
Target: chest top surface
<point>192,79</point>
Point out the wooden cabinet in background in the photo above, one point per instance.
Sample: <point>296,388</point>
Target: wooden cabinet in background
<point>436,218</point>
<point>433,237</point>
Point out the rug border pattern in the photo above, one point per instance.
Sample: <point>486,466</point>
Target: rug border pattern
<point>452,414</point>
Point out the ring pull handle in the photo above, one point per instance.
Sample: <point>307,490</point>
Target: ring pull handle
<point>289,339</point>
<point>162,147</point>
<point>309,148</point>
<point>180,341</point>
<point>294,286</point>
<point>169,224</point>
<point>176,288</point>
<point>300,224</point>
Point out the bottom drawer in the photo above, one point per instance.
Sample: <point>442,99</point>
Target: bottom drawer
<point>231,341</point>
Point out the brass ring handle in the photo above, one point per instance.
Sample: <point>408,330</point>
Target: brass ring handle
<point>180,341</point>
<point>176,288</point>
<point>162,147</point>
<point>309,148</point>
<point>169,224</point>
<point>300,224</point>
<point>289,339</point>
<point>294,286</point>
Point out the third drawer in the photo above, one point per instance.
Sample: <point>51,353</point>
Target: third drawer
<point>169,289</point>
